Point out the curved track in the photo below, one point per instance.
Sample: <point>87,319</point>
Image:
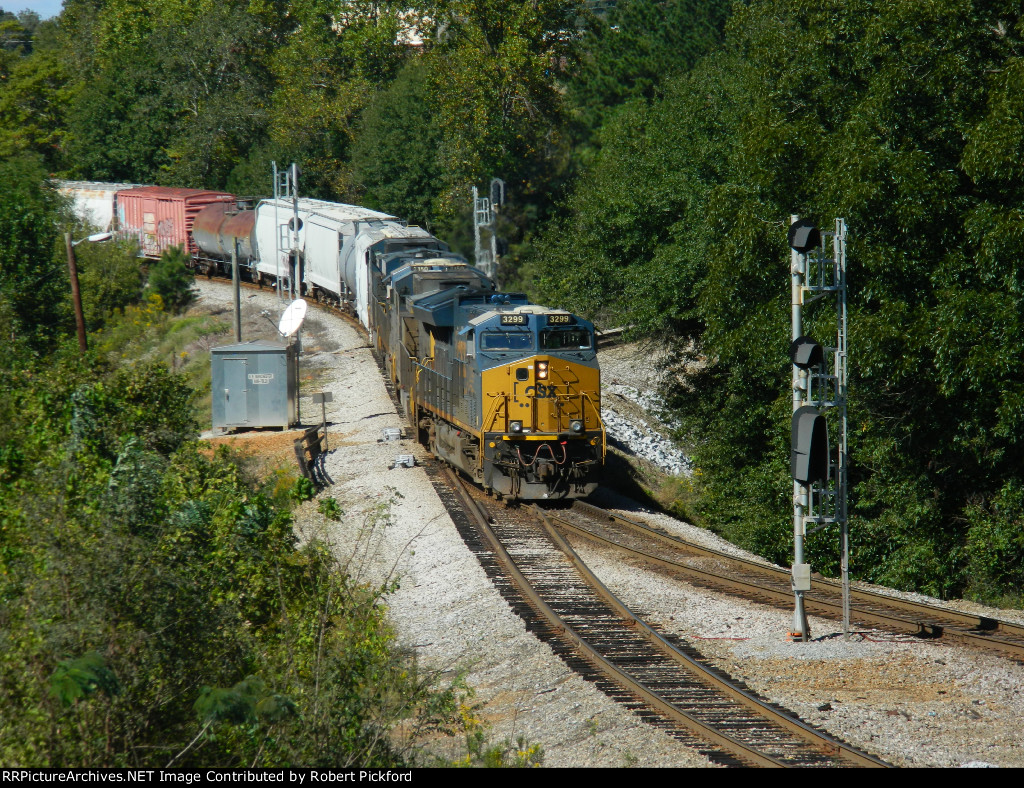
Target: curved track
<point>662,678</point>
<point>665,681</point>
<point>765,583</point>
<point>772,585</point>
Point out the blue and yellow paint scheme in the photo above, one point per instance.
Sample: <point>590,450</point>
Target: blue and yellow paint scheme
<point>541,422</point>
<point>507,391</point>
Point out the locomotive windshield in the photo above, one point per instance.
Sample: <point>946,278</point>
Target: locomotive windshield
<point>506,340</point>
<point>565,339</point>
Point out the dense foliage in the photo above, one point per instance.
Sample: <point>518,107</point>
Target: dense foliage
<point>208,93</point>
<point>155,609</point>
<point>653,156</point>
<point>171,279</point>
<point>904,119</point>
<point>404,106</point>
<point>33,276</point>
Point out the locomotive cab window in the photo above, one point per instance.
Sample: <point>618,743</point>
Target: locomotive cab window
<point>565,339</point>
<point>506,340</point>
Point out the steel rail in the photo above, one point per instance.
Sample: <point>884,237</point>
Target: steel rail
<point>916,618</point>
<point>817,740</point>
<point>706,731</point>
<point>566,633</point>
<point>794,725</point>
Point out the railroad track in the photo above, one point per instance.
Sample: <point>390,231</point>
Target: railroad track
<point>609,337</point>
<point>663,679</point>
<point>245,284</point>
<point>767,584</point>
<point>713,569</point>
<point>660,677</point>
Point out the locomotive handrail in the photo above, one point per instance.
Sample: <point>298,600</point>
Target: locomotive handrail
<point>560,401</point>
<point>600,422</point>
<point>433,371</point>
<point>489,419</point>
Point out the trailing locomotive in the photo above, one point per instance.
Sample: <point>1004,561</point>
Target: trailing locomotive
<point>507,391</point>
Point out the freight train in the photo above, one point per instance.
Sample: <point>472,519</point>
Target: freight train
<point>507,391</point>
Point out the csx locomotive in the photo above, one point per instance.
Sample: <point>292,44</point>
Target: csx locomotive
<point>507,391</point>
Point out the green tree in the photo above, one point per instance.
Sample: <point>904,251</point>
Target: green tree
<point>630,53</point>
<point>394,158</point>
<point>171,279</point>
<point>15,42</point>
<point>494,91</point>
<point>631,245</point>
<point>78,34</point>
<point>110,277</point>
<point>218,76</point>
<point>34,102</point>
<point>34,303</point>
<point>120,122</point>
<point>900,119</point>
<point>326,73</point>
<point>177,93</point>
<point>127,638</point>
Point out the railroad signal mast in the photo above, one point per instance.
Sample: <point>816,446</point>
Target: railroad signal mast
<point>485,217</point>
<point>286,187</point>
<point>820,382</point>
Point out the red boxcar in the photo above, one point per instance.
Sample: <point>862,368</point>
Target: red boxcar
<point>161,217</point>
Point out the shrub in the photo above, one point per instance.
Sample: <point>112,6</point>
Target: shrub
<point>171,279</point>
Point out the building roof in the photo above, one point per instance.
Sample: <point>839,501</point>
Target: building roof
<point>256,345</point>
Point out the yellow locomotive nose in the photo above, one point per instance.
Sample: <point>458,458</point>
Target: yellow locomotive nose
<point>549,396</point>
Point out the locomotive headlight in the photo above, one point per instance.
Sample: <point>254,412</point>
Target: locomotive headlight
<point>576,425</point>
<point>515,426</point>
<point>542,370</point>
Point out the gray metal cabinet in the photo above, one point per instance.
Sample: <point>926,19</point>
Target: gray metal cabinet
<point>254,384</point>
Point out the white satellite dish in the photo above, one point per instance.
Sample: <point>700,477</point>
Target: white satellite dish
<point>291,320</point>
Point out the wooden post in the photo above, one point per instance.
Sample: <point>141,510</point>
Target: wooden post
<point>76,296</point>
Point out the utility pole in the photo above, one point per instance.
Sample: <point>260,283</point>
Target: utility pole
<point>76,296</point>
<point>295,223</point>
<point>277,233</point>
<point>237,288</point>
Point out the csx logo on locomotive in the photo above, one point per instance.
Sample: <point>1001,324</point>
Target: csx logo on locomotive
<point>505,390</point>
<point>541,391</point>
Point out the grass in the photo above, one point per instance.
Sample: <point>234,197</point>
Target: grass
<point>147,332</point>
<point>647,484</point>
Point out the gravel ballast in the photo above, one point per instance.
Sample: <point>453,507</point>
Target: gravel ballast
<point>923,703</point>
